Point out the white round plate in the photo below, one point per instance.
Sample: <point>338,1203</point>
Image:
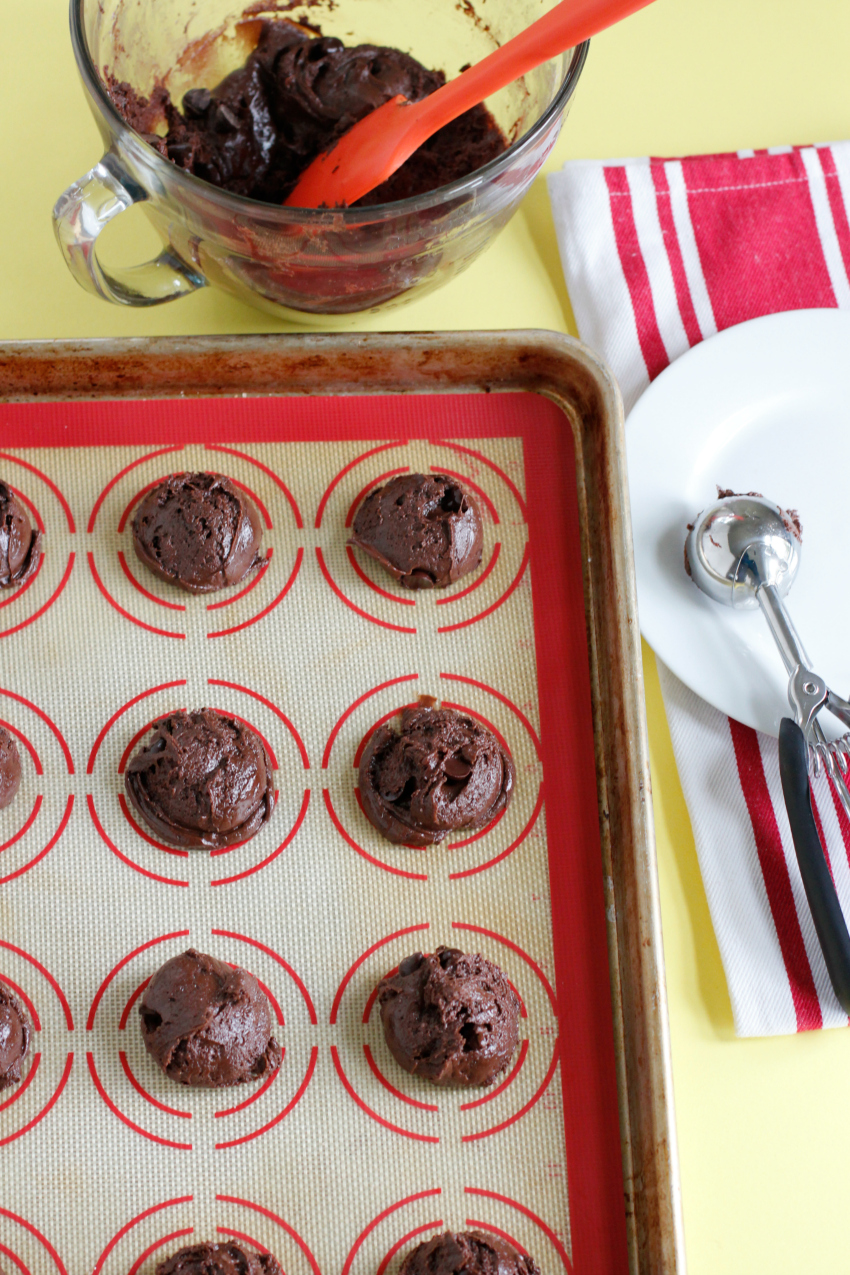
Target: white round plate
<point>764,407</point>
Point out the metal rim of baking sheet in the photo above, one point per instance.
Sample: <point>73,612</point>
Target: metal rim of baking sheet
<point>573,377</point>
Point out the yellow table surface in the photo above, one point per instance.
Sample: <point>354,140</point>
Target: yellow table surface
<point>763,1124</point>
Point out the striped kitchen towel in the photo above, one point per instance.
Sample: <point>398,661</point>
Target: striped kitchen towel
<point>659,254</point>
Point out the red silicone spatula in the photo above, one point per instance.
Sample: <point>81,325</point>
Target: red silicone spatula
<point>380,143</point>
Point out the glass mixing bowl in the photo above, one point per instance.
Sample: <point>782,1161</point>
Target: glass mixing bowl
<point>295,262</point>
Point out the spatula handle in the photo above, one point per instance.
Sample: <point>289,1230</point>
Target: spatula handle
<point>565,26</point>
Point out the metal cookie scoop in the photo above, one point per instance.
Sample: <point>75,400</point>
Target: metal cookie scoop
<point>744,551</point>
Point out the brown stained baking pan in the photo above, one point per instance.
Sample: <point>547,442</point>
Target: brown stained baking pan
<point>583,1173</point>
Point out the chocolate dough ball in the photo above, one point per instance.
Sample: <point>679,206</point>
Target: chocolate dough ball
<point>14,1038</point>
<point>439,772</point>
<point>20,546</point>
<point>199,531</point>
<point>208,1025</point>
<point>467,1253</point>
<point>10,768</point>
<point>449,1017</point>
<point>219,1259</point>
<point>424,528</point>
<point>202,780</point>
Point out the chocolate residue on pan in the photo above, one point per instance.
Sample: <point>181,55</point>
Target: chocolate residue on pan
<point>256,132</point>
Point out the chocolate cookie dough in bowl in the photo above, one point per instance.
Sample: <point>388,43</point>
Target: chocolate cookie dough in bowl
<point>138,63</point>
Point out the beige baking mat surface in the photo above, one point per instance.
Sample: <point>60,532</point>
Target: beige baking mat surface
<point>343,1155</point>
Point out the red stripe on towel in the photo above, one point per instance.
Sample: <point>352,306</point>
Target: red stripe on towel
<point>776,879</point>
<point>663,203</point>
<point>634,270</point>
<point>771,257</point>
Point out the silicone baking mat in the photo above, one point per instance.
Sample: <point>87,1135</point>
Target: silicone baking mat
<point>341,1162</point>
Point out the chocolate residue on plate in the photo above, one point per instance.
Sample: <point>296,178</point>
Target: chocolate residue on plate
<point>202,780</point>
<point>425,529</point>
<point>20,546</point>
<point>14,1038</point>
<point>10,768</point>
<point>219,1259</point>
<point>450,1017</point>
<point>256,131</point>
<point>208,1025</point>
<point>436,771</point>
<point>467,1253</point>
<point>199,531</point>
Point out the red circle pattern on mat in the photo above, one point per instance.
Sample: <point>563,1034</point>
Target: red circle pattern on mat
<point>493,843</point>
<point>166,610</point>
<point>163,1228</point>
<point>414,1108</point>
<point>21,607</point>
<point>35,821</point>
<point>22,1237</point>
<point>135,1091</point>
<point>386,1237</point>
<point>124,833</point>
<point>51,1055</point>
<point>366,589</point>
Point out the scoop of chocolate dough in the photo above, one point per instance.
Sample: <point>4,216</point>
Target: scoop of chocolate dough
<point>424,528</point>
<point>10,768</point>
<point>435,773</point>
<point>199,531</point>
<point>449,1017</point>
<point>14,1038</point>
<point>202,780</point>
<point>219,1259</point>
<point>208,1025</point>
<point>467,1253</point>
<point>790,518</point>
<point>20,546</point>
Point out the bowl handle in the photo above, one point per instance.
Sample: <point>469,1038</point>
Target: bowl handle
<point>78,218</point>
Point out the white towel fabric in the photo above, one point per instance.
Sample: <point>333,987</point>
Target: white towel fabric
<point>659,254</point>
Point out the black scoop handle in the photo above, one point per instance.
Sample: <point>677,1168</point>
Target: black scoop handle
<point>823,901</point>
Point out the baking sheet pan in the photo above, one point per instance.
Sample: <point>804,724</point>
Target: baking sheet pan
<point>342,1161</point>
